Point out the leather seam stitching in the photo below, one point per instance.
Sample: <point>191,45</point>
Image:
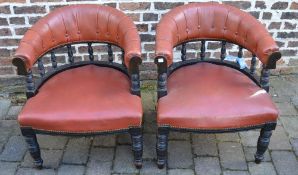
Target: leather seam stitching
<point>203,129</point>
<point>108,25</point>
<point>186,23</point>
<point>42,45</point>
<point>78,132</point>
<point>52,35</point>
<point>66,32</point>
<point>77,24</point>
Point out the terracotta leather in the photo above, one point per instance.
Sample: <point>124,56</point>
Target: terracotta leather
<point>212,21</point>
<point>209,96</point>
<point>80,23</point>
<point>84,99</point>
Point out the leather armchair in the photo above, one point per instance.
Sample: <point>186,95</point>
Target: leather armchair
<point>206,95</point>
<point>83,97</point>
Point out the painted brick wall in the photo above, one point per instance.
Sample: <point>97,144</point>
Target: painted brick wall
<point>280,17</point>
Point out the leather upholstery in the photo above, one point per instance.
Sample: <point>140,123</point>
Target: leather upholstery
<point>84,99</point>
<point>212,21</point>
<point>209,96</point>
<point>80,23</point>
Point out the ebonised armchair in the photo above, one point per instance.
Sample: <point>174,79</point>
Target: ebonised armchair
<point>206,95</point>
<point>81,98</point>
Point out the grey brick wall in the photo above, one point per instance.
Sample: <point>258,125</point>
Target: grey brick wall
<point>280,17</point>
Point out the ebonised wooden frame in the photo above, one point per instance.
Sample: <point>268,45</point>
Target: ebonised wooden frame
<point>29,133</point>
<point>165,70</point>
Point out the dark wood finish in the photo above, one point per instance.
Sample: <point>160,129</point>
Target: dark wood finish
<point>41,68</point>
<point>263,141</point>
<point>33,146</point>
<point>30,92</point>
<point>162,76</point>
<point>273,58</point>
<point>122,56</point>
<point>135,84</point>
<point>203,49</point>
<point>240,52</point>
<point>135,132</point>
<point>253,64</point>
<point>32,89</point>
<point>70,54</point>
<point>53,60</point>
<point>162,146</point>
<point>163,132</point>
<point>110,53</point>
<point>21,66</point>
<point>164,71</point>
<point>183,52</point>
<point>162,85</point>
<point>90,51</point>
<point>137,146</point>
<point>134,75</point>
<point>264,80</point>
<point>223,50</point>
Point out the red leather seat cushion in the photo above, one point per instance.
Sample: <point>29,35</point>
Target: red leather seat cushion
<point>209,96</point>
<point>83,99</point>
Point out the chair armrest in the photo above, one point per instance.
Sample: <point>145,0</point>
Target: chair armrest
<point>272,59</point>
<point>132,48</point>
<point>189,23</point>
<point>67,25</point>
<point>20,63</point>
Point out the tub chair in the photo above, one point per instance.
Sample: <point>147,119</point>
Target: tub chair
<point>81,98</point>
<point>208,95</point>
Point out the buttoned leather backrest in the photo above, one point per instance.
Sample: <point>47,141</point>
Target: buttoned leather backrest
<point>212,21</point>
<point>79,23</point>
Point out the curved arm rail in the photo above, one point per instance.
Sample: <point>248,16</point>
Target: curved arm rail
<point>213,21</point>
<point>69,25</point>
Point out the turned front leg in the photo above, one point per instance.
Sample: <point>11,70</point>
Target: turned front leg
<point>263,142</point>
<point>162,147</point>
<point>137,145</point>
<point>33,146</point>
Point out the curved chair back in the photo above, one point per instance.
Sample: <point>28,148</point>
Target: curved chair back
<point>75,24</point>
<point>213,21</point>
